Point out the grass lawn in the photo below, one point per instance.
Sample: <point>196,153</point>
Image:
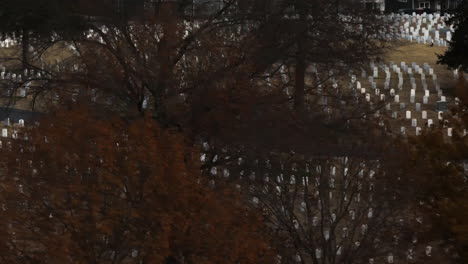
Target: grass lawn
<point>420,53</point>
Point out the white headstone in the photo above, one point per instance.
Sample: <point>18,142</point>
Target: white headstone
<point>408,114</point>
<point>425,99</point>
<point>22,92</point>
<point>428,251</point>
<point>318,253</point>
<point>390,259</point>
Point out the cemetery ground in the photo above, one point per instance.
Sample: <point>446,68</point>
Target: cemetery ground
<point>417,95</point>
<point>421,109</point>
<point>54,54</point>
<point>404,52</point>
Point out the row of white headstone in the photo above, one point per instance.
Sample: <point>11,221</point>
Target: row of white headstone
<point>14,134</point>
<point>9,41</point>
<point>26,73</point>
<point>411,28</point>
<point>405,70</point>
<point>396,69</point>
<point>8,123</point>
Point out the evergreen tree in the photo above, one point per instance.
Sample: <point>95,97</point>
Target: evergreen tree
<point>456,56</point>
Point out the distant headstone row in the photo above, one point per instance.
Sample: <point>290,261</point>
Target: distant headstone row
<point>424,29</point>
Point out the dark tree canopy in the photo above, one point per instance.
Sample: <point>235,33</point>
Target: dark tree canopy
<point>456,56</point>
<point>39,16</point>
<point>37,21</point>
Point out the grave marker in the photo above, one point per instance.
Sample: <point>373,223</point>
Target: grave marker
<point>424,114</point>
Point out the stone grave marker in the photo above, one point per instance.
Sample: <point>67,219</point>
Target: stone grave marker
<point>441,106</point>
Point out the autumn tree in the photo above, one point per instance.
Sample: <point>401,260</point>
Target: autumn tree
<point>437,164</point>
<point>82,189</point>
<point>233,78</point>
<point>461,89</point>
<point>454,221</point>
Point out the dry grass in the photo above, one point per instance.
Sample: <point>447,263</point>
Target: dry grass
<point>420,53</point>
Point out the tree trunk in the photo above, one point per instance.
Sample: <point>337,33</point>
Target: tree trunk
<point>299,92</point>
<point>25,41</point>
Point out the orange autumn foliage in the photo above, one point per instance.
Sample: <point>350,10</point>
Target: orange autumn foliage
<point>461,89</point>
<point>89,190</point>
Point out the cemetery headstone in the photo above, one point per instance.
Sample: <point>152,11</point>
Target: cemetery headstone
<point>441,106</point>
